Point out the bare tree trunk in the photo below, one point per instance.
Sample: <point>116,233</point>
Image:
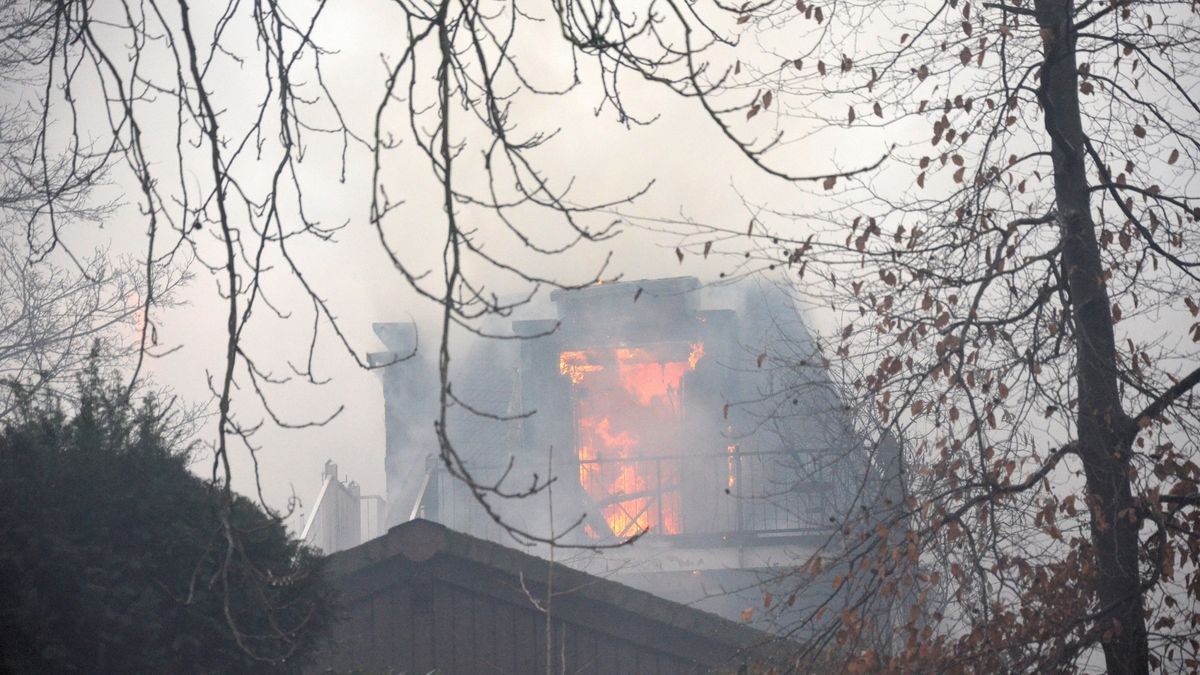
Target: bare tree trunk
<point>1105,431</point>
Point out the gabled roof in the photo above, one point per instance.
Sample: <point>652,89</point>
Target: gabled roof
<point>605,605</point>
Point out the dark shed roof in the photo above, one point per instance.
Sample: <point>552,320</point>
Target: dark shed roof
<point>651,634</point>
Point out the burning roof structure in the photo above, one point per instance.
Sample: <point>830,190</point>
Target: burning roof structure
<point>711,426</point>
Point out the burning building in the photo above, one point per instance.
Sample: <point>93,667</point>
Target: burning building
<point>711,427</point>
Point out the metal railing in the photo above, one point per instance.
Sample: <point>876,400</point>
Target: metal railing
<point>725,497</point>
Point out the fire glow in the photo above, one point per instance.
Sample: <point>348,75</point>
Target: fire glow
<point>732,482</point>
<point>628,416</point>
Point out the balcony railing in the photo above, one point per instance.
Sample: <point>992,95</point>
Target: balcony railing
<point>716,498</point>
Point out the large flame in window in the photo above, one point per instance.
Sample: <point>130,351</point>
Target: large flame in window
<point>629,418</point>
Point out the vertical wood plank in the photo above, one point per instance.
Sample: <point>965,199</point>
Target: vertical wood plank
<point>444,649</point>
<point>585,645</point>
<point>506,637</point>
<point>402,628</point>
<point>606,656</point>
<point>381,648</point>
<point>539,642</point>
<point>626,657</point>
<point>466,659</point>
<point>422,628</point>
<point>568,640</point>
<point>525,641</point>
<point>562,642</point>
<point>485,629</point>
<point>360,637</point>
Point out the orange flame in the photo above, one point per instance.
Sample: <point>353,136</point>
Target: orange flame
<point>631,516</point>
<point>732,450</point>
<point>625,419</point>
<point>575,366</point>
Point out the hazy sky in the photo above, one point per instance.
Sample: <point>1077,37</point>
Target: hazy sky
<point>694,169</point>
<point>697,174</point>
